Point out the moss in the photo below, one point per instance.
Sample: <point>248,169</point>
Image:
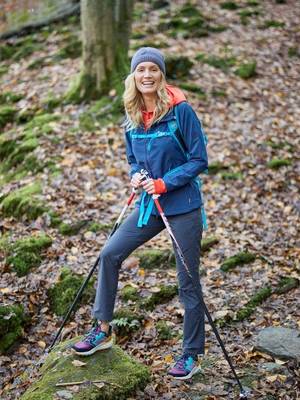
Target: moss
<point>271,23</point>
<point>252,3</point>
<point>246,14</point>
<point>229,5</point>
<point>178,67</point>
<point>277,163</point>
<point>293,52</point>
<point>23,202</point>
<point>286,284</point>
<point>96,227</point>
<point>223,63</point>
<point>72,49</point>
<point>216,167</point>
<point>246,70</point>
<point>41,122</point>
<point>63,293</point>
<point>129,292</point>
<point>231,175</point>
<point>193,88</point>
<point>208,242</point>
<point>18,50</point>
<point>236,260</point>
<point>7,114</point>
<point>122,374</point>
<point>255,300</point>
<point>38,63</point>
<point>18,154</point>
<point>55,219</point>
<point>51,102</point>
<point>165,294</point>
<point>12,319</point>
<point>163,330</point>
<point>218,93</point>
<point>72,229</point>
<point>26,253</point>
<point>3,68</point>
<point>10,97</point>
<point>155,258</point>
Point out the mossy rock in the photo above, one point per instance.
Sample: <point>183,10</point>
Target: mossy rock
<point>256,299</point>
<point>241,258</point>
<point>72,229</point>
<point>26,253</point>
<point>208,243</point>
<point>12,319</point>
<point>178,67</point>
<point>233,176</point>
<point>277,163</point>
<point>128,292</point>
<point>155,258</point>
<point>23,203</point>
<point>165,294</point>
<point>121,374</point>
<point>62,294</point>
<point>7,114</point>
<point>286,284</point>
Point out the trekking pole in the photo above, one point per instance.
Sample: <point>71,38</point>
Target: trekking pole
<point>84,284</point>
<point>243,393</point>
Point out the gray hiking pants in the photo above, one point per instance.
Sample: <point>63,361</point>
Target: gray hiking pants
<point>187,229</point>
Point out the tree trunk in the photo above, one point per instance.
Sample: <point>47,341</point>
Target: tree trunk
<point>106,27</point>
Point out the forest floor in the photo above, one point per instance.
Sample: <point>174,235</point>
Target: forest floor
<point>253,207</point>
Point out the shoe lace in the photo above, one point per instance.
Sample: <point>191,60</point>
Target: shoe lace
<point>180,361</point>
<point>90,336</point>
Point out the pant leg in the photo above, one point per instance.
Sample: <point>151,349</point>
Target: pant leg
<point>187,229</point>
<point>122,243</point>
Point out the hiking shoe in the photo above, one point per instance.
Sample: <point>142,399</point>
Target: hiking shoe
<point>93,341</point>
<point>185,367</point>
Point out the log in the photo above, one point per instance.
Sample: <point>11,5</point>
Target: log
<point>60,15</point>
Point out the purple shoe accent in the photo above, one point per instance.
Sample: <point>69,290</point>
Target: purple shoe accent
<point>184,368</point>
<point>94,340</point>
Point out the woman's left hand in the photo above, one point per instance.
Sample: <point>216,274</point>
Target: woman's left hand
<point>154,186</point>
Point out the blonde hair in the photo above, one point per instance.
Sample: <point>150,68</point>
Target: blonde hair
<point>134,103</point>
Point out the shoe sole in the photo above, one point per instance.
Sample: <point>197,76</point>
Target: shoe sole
<point>194,371</point>
<point>104,346</point>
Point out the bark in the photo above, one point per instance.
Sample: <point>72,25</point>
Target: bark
<point>106,27</point>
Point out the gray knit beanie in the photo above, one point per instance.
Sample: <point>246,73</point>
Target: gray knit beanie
<point>148,54</point>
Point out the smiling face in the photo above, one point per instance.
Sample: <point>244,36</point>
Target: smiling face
<point>147,77</point>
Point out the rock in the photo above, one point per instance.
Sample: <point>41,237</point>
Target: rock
<point>120,375</point>
<point>279,342</point>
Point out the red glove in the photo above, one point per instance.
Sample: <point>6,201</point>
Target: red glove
<point>159,186</point>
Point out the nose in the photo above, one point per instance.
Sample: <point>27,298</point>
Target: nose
<point>147,73</point>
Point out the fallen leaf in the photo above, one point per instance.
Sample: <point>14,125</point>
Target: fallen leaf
<point>78,363</point>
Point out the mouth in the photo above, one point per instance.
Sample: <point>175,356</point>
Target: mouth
<point>148,84</point>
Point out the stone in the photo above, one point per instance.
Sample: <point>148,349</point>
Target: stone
<point>279,342</point>
<point>108,374</point>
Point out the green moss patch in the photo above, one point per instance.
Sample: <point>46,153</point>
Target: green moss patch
<point>248,13</point>
<point>23,203</point>
<point>155,258</point>
<point>231,175</point>
<point>129,292</point>
<point>223,63</point>
<point>191,87</point>
<point>121,375</point>
<point>229,5</point>
<point>126,321</point>
<point>277,163</point>
<point>163,330</point>
<point>246,70</point>
<point>286,284</point>
<point>7,114</point>
<point>241,258</point>
<point>72,48</point>
<point>10,97</point>
<point>17,50</point>
<point>12,320</point>
<point>97,227</point>
<point>26,253</point>
<point>63,293</point>
<point>165,294</point>
<point>208,243</point>
<point>255,300</point>
<point>72,229</point>
<point>216,167</point>
<point>271,23</point>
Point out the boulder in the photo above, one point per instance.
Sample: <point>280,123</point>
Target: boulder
<point>107,374</point>
<point>279,342</point>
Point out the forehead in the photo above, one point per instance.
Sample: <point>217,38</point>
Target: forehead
<point>147,64</point>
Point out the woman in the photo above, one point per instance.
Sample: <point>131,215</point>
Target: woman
<point>173,158</point>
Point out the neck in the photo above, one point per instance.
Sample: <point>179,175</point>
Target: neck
<point>150,102</point>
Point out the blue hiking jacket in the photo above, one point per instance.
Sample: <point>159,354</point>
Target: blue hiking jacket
<point>160,151</point>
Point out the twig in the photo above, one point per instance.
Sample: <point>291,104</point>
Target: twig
<point>84,382</point>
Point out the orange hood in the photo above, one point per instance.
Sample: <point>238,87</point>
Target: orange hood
<point>175,94</point>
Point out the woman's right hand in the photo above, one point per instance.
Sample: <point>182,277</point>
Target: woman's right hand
<point>136,180</point>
